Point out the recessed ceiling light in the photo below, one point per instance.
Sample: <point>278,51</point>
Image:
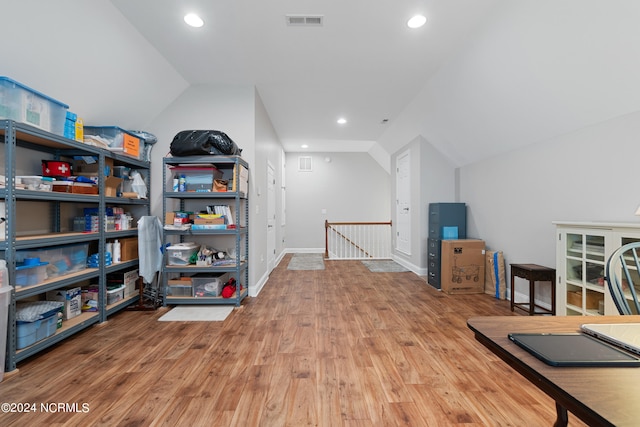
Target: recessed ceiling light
<point>193,20</point>
<point>304,146</point>
<point>342,121</point>
<point>416,21</point>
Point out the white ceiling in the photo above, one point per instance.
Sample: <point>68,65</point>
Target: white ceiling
<point>364,63</point>
<point>481,78</point>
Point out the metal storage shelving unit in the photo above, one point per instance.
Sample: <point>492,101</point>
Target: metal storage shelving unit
<point>230,166</point>
<point>17,137</point>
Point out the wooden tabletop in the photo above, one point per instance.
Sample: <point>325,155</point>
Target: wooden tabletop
<point>597,395</point>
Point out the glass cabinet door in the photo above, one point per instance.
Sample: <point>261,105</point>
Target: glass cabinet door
<point>584,275</point>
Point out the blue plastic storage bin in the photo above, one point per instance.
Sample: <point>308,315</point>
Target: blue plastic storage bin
<point>65,259</point>
<point>29,333</point>
<point>30,274</point>
<point>23,104</point>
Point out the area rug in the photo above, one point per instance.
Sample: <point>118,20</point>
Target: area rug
<point>383,266</point>
<point>197,313</point>
<point>306,262</point>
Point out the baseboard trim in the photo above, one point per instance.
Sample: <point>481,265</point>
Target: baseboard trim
<point>304,251</point>
<point>406,264</point>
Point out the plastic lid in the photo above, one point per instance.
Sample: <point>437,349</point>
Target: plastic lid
<point>40,94</point>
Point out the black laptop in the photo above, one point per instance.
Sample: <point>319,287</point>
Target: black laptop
<point>573,349</point>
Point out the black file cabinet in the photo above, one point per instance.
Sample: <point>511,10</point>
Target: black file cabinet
<point>441,217</point>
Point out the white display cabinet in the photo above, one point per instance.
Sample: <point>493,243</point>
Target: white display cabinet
<point>582,251</point>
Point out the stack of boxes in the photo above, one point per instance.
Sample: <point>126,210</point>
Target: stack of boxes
<point>456,264</point>
<point>73,127</point>
<point>116,219</point>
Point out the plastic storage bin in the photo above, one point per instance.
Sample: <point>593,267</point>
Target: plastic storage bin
<point>62,259</point>
<point>181,253</point>
<point>30,272</point>
<point>29,333</point>
<point>115,295</point>
<point>119,140</point>
<point>23,104</point>
<point>182,290</point>
<point>197,178</point>
<point>208,285</point>
<point>35,183</point>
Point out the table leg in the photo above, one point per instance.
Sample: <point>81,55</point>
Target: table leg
<point>512,290</point>
<point>553,297</point>
<point>532,297</point>
<point>562,419</point>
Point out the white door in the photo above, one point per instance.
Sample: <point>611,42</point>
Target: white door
<point>271,218</point>
<point>403,203</point>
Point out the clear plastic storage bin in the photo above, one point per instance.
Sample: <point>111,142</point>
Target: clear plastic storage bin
<point>180,254</point>
<point>62,260</point>
<point>23,104</point>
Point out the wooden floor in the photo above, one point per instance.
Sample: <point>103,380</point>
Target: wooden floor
<point>338,347</point>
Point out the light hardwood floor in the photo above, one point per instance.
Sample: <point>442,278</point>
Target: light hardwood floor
<point>337,347</point>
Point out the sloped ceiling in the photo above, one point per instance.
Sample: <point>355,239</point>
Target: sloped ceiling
<point>363,63</point>
<point>534,71</point>
<point>480,78</point>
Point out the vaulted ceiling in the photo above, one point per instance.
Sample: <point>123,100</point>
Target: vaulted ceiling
<point>363,63</point>
<point>480,78</point>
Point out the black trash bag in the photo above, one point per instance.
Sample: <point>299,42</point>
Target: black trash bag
<point>203,142</point>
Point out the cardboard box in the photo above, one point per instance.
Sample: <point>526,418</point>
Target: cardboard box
<point>128,248</point>
<point>88,166</point>
<point>574,298</point>
<point>592,300</point>
<point>463,266</point>
<point>126,278</point>
<point>111,185</point>
<point>203,221</point>
<point>90,170</point>
<point>72,299</point>
<point>243,177</point>
<point>74,187</point>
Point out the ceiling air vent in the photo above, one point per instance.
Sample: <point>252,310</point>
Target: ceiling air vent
<point>305,20</point>
<point>304,164</point>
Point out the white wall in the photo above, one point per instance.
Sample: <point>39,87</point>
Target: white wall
<point>433,179</point>
<point>587,175</point>
<point>268,152</point>
<point>535,69</point>
<point>85,54</point>
<point>351,187</point>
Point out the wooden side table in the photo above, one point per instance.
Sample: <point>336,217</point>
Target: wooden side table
<point>533,273</point>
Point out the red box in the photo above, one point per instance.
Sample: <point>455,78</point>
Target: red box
<point>56,168</point>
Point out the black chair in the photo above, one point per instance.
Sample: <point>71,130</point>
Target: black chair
<point>624,264</point>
